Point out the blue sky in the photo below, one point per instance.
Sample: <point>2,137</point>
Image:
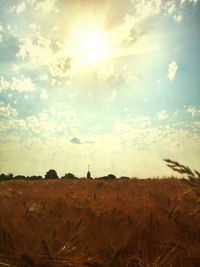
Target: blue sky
<point>113,84</point>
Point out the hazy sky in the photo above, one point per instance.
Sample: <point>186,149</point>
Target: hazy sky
<point>114,84</point>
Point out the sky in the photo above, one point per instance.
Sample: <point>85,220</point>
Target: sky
<point>114,84</point>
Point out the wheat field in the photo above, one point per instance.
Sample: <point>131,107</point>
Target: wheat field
<point>135,222</point>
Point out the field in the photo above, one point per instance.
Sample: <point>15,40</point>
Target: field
<point>79,223</point>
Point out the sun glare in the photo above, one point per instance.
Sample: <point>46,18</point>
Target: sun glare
<point>88,47</point>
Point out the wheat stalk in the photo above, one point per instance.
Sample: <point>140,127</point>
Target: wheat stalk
<point>174,165</point>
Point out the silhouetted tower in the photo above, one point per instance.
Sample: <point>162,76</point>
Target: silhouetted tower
<point>88,173</point>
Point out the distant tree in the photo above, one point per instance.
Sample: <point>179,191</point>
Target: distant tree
<point>5,177</point>
<point>124,178</point>
<point>51,174</point>
<point>108,177</point>
<point>20,177</point>
<point>10,176</point>
<point>2,177</point>
<point>69,176</point>
<point>111,176</point>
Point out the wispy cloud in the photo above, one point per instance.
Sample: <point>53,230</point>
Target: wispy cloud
<point>77,141</point>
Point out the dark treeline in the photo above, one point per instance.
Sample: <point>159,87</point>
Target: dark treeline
<point>52,174</point>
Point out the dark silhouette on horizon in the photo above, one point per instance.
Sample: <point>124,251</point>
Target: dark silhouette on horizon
<point>89,173</point>
<point>52,174</point>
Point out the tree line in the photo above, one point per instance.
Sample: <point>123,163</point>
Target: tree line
<point>51,174</point>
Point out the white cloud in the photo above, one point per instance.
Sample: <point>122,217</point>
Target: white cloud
<point>72,95</point>
<point>162,115</point>
<point>22,84</point>
<point>45,6</point>
<point>12,30</point>
<point>193,110</point>
<point>44,77</point>
<point>113,96</point>
<point>142,121</point>
<point>18,9</point>
<point>130,20</point>
<point>96,127</point>
<point>126,32</point>
<point>48,123</point>
<point>1,31</point>
<point>7,110</point>
<point>39,53</point>
<point>44,94</point>
<point>128,75</point>
<point>107,72</point>
<point>172,70</point>
<point>59,68</point>
<point>171,7</point>
<point>132,125</point>
<point>178,18</point>
<point>149,8</point>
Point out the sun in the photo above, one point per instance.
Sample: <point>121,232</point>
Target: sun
<point>88,46</point>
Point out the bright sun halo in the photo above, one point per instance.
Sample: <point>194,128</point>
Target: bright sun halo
<point>88,47</point>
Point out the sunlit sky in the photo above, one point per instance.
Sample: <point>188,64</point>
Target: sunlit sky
<point>114,84</point>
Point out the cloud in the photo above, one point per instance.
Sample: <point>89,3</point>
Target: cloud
<point>113,96</point>
<point>111,73</point>
<point>49,123</point>
<point>172,70</point>
<point>193,110</point>
<point>145,9</point>
<point>142,121</point>
<point>107,72</point>
<point>126,33</point>
<point>1,31</point>
<point>18,9</point>
<point>171,7</point>
<point>132,123</point>
<point>162,115</point>
<point>89,142</point>
<point>35,51</point>
<point>44,94</point>
<point>45,6</point>
<point>178,18</point>
<point>59,67</point>
<point>22,84</point>
<point>7,110</point>
<point>75,140</point>
<point>39,53</point>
